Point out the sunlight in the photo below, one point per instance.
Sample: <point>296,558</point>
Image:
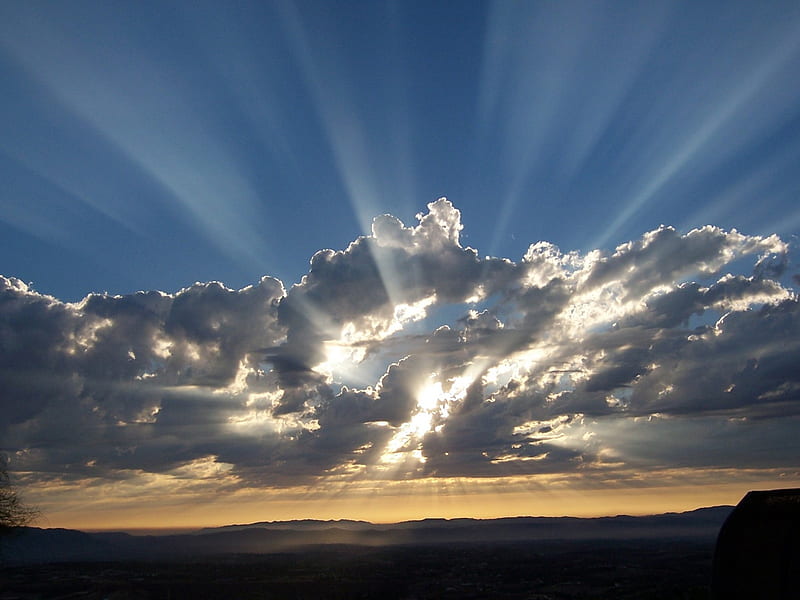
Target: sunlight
<point>336,107</point>
<point>206,467</point>
<point>318,317</point>
<point>717,115</point>
<point>346,352</point>
<point>538,69</point>
<point>156,133</point>
<point>85,340</point>
<point>540,334</point>
<point>433,406</point>
<point>340,358</point>
<point>428,399</point>
<point>410,313</point>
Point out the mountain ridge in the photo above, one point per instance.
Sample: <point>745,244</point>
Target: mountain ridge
<point>320,523</point>
<point>37,545</point>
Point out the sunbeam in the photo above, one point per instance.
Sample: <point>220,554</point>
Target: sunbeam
<point>156,133</point>
<point>715,118</point>
<point>417,259</point>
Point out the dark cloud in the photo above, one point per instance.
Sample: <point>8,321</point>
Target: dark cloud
<point>551,364</point>
<point>100,381</point>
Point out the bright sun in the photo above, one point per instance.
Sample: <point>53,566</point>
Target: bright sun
<point>434,403</point>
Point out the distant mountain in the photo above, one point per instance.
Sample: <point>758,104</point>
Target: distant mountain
<point>34,545</point>
<point>299,525</point>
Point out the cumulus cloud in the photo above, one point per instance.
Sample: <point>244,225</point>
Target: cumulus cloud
<point>554,363</point>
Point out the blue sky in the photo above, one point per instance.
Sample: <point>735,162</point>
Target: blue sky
<point>149,145</point>
<point>146,146</point>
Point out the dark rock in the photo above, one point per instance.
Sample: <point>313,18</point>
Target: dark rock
<point>758,548</point>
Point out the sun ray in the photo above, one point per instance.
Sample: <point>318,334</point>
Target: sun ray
<point>157,135</point>
<point>714,124</point>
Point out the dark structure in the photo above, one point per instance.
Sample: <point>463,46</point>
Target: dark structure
<point>758,548</point>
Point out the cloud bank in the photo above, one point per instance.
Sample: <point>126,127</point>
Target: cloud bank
<point>408,355</point>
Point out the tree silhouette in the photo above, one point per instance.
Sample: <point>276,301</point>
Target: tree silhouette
<point>13,512</point>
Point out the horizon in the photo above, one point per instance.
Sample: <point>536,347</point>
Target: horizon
<point>395,260</point>
<point>187,530</point>
<point>644,504</point>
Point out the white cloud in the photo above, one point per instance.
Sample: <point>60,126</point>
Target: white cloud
<point>548,367</point>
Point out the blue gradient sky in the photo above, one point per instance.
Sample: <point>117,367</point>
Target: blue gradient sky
<point>148,145</point>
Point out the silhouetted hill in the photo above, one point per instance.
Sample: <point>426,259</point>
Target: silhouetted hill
<point>34,545</point>
<point>301,524</point>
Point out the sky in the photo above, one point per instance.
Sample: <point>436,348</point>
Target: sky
<point>396,260</point>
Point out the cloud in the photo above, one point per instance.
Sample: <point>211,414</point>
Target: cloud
<point>555,363</point>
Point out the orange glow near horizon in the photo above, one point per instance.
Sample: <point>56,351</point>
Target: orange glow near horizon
<point>397,501</point>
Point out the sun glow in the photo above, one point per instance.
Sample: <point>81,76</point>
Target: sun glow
<point>434,403</point>
<point>346,350</point>
<point>339,356</point>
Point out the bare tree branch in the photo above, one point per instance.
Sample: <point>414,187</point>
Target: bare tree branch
<point>13,512</point>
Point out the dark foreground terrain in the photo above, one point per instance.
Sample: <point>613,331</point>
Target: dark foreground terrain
<point>534,570</point>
